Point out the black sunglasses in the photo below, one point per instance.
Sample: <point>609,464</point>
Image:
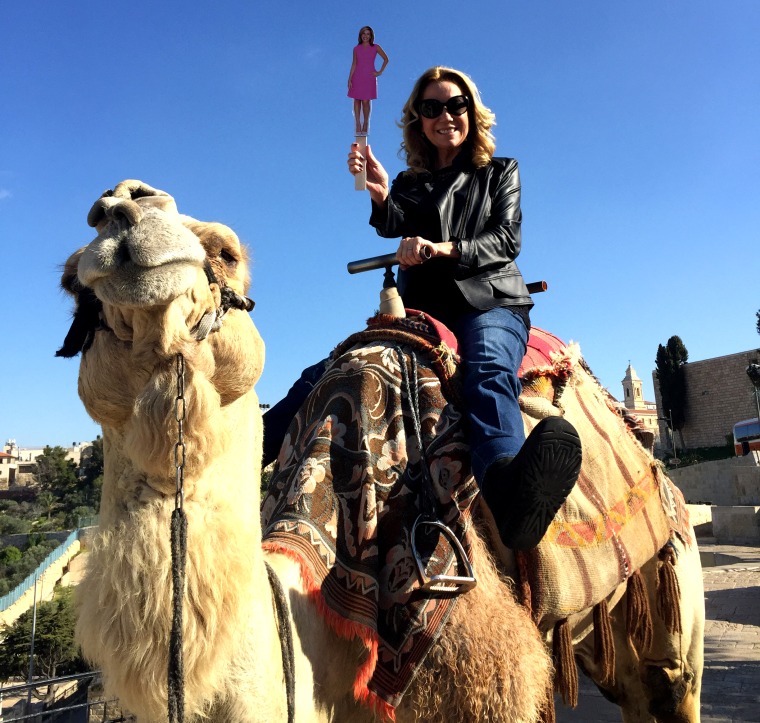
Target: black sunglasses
<point>432,108</point>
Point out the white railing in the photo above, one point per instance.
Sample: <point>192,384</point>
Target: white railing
<point>14,595</point>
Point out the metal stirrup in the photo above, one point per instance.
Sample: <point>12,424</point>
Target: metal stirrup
<point>427,519</point>
<point>443,583</point>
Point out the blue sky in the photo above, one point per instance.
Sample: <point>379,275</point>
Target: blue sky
<point>636,125</point>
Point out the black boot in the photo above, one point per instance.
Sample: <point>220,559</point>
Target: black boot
<point>525,493</point>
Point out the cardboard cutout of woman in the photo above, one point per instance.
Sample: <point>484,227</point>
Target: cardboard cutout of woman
<point>362,78</point>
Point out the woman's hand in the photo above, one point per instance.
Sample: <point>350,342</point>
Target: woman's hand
<point>413,250</point>
<point>377,178</point>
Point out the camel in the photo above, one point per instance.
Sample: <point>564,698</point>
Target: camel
<point>169,362</point>
<point>616,584</point>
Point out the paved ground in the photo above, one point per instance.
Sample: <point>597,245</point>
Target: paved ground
<point>731,682</point>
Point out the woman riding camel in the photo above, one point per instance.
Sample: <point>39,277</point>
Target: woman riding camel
<point>459,206</point>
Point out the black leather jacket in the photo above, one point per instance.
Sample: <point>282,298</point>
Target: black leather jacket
<point>480,208</point>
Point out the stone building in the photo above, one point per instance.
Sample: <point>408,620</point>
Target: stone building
<point>18,465</point>
<point>633,400</point>
<point>641,412</point>
<point>718,394</point>
<point>8,468</point>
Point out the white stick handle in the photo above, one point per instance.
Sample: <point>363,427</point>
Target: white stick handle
<point>360,179</point>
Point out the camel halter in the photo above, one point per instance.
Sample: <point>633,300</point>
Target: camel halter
<point>176,689</point>
<point>212,320</point>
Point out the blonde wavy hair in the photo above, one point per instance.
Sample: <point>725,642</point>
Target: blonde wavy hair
<point>420,153</point>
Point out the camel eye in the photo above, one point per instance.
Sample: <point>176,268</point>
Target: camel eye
<point>227,257</point>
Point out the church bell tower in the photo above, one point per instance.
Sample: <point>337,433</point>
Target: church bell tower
<point>633,397</point>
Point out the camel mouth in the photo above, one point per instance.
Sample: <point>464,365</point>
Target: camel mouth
<point>149,263</point>
<point>139,287</point>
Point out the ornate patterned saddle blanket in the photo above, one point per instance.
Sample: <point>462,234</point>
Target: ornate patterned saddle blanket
<point>348,486</point>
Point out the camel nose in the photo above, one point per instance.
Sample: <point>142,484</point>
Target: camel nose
<point>127,211</point>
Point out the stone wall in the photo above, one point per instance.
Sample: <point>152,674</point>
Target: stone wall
<point>718,394</point>
<point>734,481</point>
<point>736,525</point>
<point>20,540</point>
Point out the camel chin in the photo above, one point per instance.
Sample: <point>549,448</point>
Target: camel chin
<point>136,287</point>
<point>146,257</point>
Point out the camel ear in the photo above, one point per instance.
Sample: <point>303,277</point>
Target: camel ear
<point>69,280</point>
<point>86,315</point>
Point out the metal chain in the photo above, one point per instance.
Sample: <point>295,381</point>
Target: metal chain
<point>175,680</point>
<point>179,542</point>
<point>179,447</point>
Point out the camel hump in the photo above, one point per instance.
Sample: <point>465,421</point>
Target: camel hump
<point>541,352</point>
<point>542,346</point>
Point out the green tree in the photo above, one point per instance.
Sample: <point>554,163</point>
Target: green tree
<point>35,539</point>
<point>91,476</point>
<point>46,499</point>
<point>670,362</point>
<point>55,652</point>
<point>55,473</point>
<point>16,569</point>
<point>9,555</point>
<point>753,372</point>
<point>13,525</point>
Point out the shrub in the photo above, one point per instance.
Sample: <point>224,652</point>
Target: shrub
<point>9,555</point>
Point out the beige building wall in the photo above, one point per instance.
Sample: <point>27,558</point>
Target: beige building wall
<point>7,471</point>
<point>718,394</point>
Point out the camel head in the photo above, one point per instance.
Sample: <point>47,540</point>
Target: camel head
<point>147,255</point>
<point>151,285</point>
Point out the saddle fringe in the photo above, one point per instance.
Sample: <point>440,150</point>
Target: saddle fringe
<point>604,644</point>
<point>565,668</point>
<point>639,626</point>
<point>549,712</point>
<point>668,590</point>
<point>638,614</point>
<point>526,594</point>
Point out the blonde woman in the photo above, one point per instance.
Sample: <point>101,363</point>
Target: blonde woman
<point>459,206</point>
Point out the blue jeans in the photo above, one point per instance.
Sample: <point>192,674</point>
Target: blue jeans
<point>278,418</point>
<point>492,344</point>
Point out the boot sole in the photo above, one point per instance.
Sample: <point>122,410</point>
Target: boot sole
<point>549,471</point>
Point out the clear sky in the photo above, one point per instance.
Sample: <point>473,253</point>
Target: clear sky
<point>636,125</point>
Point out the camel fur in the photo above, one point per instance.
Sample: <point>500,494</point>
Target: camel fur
<point>145,286</point>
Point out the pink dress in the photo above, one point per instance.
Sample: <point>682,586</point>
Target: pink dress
<point>363,81</point>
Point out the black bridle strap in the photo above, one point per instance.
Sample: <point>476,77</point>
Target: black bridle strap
<point>412,396</point>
